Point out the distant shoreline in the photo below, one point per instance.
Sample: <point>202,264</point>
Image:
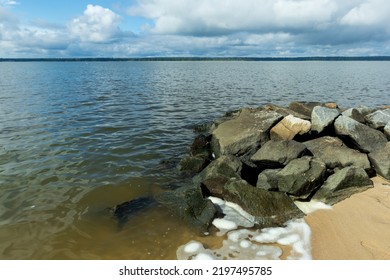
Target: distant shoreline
<point>314,58</point>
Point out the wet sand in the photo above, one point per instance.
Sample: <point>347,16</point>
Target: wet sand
<point>357,228</point>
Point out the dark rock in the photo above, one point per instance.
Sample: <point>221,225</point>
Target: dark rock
<point>217,173</point>
<point>378,119</point>
<point>289,127</point>
<point>188,204</point>
<point>285,111</point>
<point>302,176</point>
<point>124,211</point>
<point>304,108</point>
<point>380,159</point>
<point>354,114</point>
<point>191,165</point>
<point>322,118</point>
<point>275,154</point>
<point>244,132</point>
<point>342,184</point>
<point>363,137</point>
<point>200,145</point>
<point>335,154</point>
<point>268,179</point>
<point>269,208</point>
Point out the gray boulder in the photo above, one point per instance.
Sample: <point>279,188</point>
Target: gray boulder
<point>289,127</point>
<point>354,114</point>
<point>268,179</point>
<point>284,111</point>
<point>335,154</point>
<point>363,137</point>
<point>191,165</point>
<point>387,131</point>
<point>217,173</point>
<point>243,133</point>
<point>276,154</point>
<point>188,204</point>
<point>322,118</point>
<point>302,176</point>
<point>342,184</point>
<point>380,159</point>
<point>270,209</point>
<point>378,119</point>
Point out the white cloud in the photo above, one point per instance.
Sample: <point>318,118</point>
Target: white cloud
<point>369,13</point>
<point>97,24</point>
<point>8,3</point>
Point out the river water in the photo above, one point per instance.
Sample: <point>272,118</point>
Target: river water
<point>77,138</point>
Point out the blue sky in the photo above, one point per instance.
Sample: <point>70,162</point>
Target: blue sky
<point>143,28</point>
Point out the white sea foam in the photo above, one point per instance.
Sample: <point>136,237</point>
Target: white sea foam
<point>252,244</point>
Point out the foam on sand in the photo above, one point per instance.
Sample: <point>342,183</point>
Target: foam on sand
<point>245,243</point>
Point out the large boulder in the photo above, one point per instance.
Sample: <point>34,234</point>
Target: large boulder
<point>188,204</point>
<point>361,136</point>
<point>270,209</point>
<point>274,153</point>
<point>335,154</point>
<point>302,176</point>
<point>380,159</point>
<point>191,165</point>
<point>322,118</point>
<point>268,179</point>
<point>378,119</point>
<point>289,127</point>
<point>342,184</point>
<point>217,173</point>
<point>284,111</point>
<point>243,133</point>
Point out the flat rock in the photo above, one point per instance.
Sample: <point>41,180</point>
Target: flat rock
<point>378,119</point>
<point>243,133</point>
<point>302,176</point>
<point>277,153</point>
<point>322,118</point>
<point>289,127</point>
<point>380,159</point>
<point>270,209</point>
<point>188,204</point>
<point>361,136</point>
<point>268,179</point>
<point>304,108</point>
<point>342,184</point>
<point>284,111</point>
<point>217,173</point>
<point>335,154</point>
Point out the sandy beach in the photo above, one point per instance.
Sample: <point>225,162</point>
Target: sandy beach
<point>357,228</point>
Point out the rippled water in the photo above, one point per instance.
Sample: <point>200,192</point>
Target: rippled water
<point>77,138</point>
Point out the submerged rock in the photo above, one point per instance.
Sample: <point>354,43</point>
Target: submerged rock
<point>277,154</point>
<point>363,137</point>
<point>302,176</point>
<point>269,208</point>
<point>288,127</point>
<point>188,204</point>
<point>243,133</point>
<point>343,184</point>
<point>380,159</point>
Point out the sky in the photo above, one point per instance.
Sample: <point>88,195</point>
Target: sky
<point>201,28</point>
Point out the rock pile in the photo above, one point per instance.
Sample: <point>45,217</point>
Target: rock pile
<point>265,158</point>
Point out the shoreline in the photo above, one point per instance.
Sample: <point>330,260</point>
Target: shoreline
<point>357,228</point>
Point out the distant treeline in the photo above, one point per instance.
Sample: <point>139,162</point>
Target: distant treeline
<point>314,58</point>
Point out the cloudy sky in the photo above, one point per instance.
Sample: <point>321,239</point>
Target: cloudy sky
<point>143,28</point>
